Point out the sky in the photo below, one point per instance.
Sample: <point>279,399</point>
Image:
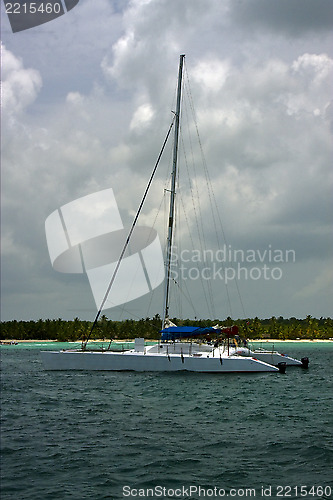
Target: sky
<point>87,100</point>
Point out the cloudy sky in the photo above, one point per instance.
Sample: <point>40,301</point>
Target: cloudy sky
<point>87,101</point>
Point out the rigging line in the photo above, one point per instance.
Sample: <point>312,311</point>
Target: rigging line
<point>208,284</point>
<point>209,301</point>
<point>225,239</point>
<point>198,226</point>
<point>129,235</point>
<point>186,295</point>
<point>174,298</point>
<point>164,225</point>
<point>135,273</point>
<point>211,191</point>
<point>153,226</point>
<point>209,183</point>
<point>183,284</point>
<point>192,244</point>
<point>178,230</point>
<point>195,183</point>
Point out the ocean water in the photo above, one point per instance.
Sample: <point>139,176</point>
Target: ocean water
<point>85,435</point>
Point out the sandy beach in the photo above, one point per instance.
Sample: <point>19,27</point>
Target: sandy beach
<point>290,340</point>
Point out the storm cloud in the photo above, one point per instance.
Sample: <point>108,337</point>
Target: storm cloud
<point>87,101</point>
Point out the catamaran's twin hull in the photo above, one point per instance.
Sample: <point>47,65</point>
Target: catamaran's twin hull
<point>274,358</point>
<point>270,357</point>
<point>133,361</point>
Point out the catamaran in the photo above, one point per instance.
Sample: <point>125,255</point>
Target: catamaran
<point>179,348</point>
<point>167,356</point>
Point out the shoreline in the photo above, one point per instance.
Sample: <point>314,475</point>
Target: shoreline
<point>291,340</point>
<point>270,341</point>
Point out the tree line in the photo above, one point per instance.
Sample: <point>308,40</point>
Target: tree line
<point>60,330</point>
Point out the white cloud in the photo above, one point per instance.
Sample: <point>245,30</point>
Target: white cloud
<point>20,86</point>
<point>211,73</point>
<point>142,117</point>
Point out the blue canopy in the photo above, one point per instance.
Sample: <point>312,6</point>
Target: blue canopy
<point>183,332</point>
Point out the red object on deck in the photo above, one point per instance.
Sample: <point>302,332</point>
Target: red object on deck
<point>230,331</point>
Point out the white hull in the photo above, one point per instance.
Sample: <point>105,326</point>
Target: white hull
<point>270,357</point>
<point>274,358</point>
<point>149,360</point>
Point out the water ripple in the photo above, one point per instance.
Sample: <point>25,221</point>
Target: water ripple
<point>83,436</point>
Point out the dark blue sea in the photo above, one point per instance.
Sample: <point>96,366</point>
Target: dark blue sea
<point>85,435</point>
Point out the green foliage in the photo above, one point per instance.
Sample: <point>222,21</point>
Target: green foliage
<point>60,330</point>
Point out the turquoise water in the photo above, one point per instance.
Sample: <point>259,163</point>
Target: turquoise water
<point>106,435</point>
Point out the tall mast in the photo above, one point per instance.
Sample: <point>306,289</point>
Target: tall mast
<point>173,192</point>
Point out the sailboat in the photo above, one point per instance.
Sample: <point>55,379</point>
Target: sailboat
<point>179,348</point>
